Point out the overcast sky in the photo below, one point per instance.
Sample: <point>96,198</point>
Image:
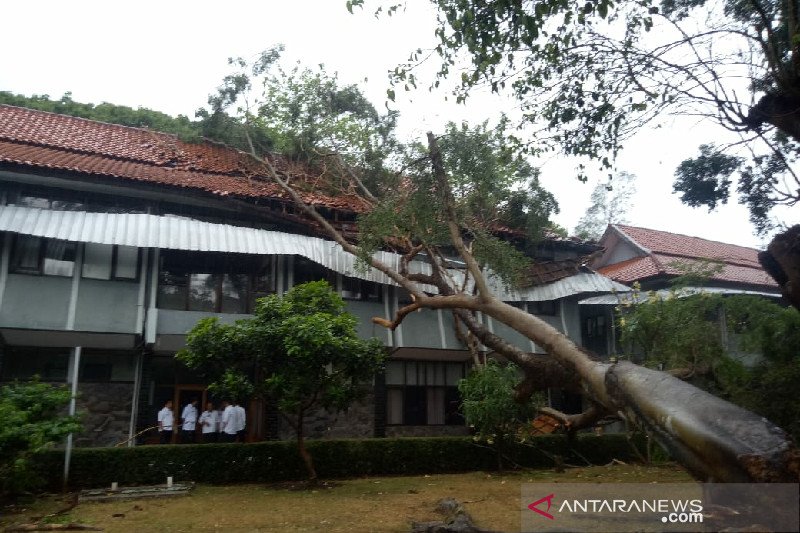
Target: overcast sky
<point>170,55</point>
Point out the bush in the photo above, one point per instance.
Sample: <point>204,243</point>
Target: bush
<point>278,461</point>
<point>31,420</point>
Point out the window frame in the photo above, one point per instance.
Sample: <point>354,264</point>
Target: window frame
<point>41,257</point>
<point>248,301</point>
<point>422,392</point>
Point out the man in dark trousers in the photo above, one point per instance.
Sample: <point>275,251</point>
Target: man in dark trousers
<point>166,419</point>
<point>189,420</point>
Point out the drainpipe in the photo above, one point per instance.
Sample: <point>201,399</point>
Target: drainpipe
<point>76,365</point>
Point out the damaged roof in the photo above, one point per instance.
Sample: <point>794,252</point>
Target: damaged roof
<point>39,139</point>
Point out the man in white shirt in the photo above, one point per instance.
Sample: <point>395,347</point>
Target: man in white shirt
<point>166,419</point>
<point>208,423</point>
<point>241,421</point>
<point>229,425</point>
<point>189,418</point>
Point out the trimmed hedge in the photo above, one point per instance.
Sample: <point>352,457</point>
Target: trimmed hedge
<point>279,461</point>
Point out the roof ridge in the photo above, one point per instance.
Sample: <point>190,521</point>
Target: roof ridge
<point>622,226</point>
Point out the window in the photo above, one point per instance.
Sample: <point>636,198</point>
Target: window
<point>49,257</point>
<point>306,270</point>
<point>548,307</point>
<point>420,393</point>
<point>217,283</point>
<point>50,364</point>
<point>104,261</point>
<point>359,289</point>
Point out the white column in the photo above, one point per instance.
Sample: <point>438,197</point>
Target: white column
<point>75,365</point>
<point>137,385</point>
<point>140,300</point>
<point>398,332</point>
<point>4,261</point>
<point>442,337</point>
<point>76,282</point>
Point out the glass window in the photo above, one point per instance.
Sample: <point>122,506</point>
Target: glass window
<point>423,393</point>
<point>394,406</point>
<point>24,363</point>
<point>549,307</point>
<point>411,373</point>
<point>414,406</point>
<point>351,288</point>
<point>59,258</point>
<point>214,282</point>
<point>97,261</point>
<point>454,374</point>
<point>36,255</point>
<point>436,406</point>
<point>306,270</point>
<point>234,293</point>
<point>172,290</point>
<point>26,254</point>
<point>126,262</point>
<point>395,373</point>
<point>203,292</point>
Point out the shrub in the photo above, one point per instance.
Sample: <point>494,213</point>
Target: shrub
<point>278,461</point>
<point>31,420</point>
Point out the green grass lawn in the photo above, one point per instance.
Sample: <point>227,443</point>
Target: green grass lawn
<point>368,504</point>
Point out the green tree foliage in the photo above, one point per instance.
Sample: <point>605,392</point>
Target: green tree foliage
<point>31,420</point>
<point>610,203</point>
<point>497,196</point>
<point>300,350</point>
<point>307,115</point>
<point>490,407</point>
<point>704,337</point>
<point>588,74</point>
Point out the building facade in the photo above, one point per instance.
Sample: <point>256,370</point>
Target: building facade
<point>115,241</point>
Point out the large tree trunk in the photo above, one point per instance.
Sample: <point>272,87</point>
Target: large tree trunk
<point>781,260</point>
<point>782,110</point>
<point>714,439</point>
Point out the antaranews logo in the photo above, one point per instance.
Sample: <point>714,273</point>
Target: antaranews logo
<point>534,506</point>
<point>661,507</point>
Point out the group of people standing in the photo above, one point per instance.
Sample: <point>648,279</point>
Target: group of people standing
<point>226,424</point>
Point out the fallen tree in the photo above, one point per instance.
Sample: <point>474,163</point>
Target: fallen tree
<point>451,222</point>
<point>714,439</point>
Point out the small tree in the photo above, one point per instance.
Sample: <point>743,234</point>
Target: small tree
<point>300,350</point>
<point>610,203</point>
<point>491,407</point>
<point>31,420</point>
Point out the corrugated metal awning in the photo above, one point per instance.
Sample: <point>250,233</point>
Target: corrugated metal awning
<point>643,296</point>
<point>585,282</point>
<point>180,233</point>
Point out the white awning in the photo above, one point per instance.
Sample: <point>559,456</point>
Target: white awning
<point>583,283</point>
<point>643,296</point>
<point>180,233</point>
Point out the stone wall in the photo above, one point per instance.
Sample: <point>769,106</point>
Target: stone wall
<point>106,413</point>
<point>356,422</point>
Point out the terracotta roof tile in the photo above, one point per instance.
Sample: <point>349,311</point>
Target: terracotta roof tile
<point>544,272</point>
<point>668,252</point>
<point>693,247</point>
<point>59,142</point>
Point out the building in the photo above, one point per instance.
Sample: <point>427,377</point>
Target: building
<point>655,259</point>
<point>115,241</point>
